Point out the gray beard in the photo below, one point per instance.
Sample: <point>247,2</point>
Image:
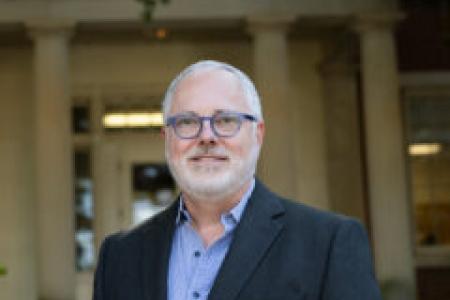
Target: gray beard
<point>210,185</point>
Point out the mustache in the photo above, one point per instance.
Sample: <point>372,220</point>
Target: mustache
<point>207,150</point>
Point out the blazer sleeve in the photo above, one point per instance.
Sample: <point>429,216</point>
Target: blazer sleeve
<point>350,274</point>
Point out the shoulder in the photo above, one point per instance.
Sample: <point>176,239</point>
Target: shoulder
<point>316,217</point>
<point>306,221</point>
<point>296,211</point>
<point>130,238</point>
<point>334,239</point>
<point>321,225</point>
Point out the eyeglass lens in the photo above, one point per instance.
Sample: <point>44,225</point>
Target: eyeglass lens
<point>224,124</point>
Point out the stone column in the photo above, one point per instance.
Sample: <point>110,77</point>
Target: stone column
<point>344,162</point>
<point>17,200</point>
<point>106,190</point>
<point>54,159</point>
<point>389,204</point>
<point>105,177</point>
<point>271,72</point>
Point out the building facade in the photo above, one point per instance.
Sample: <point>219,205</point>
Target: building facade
<point>331,92</point>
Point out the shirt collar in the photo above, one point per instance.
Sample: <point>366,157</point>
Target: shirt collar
<point>235,213</point>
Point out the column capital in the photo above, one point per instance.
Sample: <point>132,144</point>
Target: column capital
<point>374,21</point>
<point>339,56</point>
<point>42,27</point>
<point>258,23</point>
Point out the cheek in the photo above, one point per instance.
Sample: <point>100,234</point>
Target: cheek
<point>242,146</point>
<point>176,147</point>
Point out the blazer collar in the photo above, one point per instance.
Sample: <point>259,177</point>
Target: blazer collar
<point>156,247</point>
<point>261,223</point>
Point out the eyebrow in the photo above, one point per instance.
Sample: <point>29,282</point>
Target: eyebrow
<point>190,112</point>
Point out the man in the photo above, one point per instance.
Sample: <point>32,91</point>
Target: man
<point>227,237</point>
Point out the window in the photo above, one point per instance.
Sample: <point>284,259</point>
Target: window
<point>428,136</point>
<point>153,190</point>
<point>80,119</point>
<point>84,236</point>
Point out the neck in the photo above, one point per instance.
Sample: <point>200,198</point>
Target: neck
<point>206,214</point>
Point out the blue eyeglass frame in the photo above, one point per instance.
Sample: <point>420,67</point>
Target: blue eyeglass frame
<point>242,116</point>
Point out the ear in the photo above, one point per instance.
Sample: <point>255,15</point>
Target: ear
<point>260,132</point>
<point>163,132</point>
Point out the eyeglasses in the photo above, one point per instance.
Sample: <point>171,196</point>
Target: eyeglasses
<point>223,124</point>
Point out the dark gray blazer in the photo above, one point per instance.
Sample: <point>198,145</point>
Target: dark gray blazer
<point>281,250</point>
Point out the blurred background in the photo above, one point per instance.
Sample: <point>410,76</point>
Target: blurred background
<point>356,99</point>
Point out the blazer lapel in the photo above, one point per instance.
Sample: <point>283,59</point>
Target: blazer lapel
<point>155,254</point>
<point>260,225</point>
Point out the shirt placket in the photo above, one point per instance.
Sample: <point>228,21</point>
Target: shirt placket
<point>201,280</point>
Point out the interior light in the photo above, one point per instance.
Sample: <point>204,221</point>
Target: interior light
<point>424,149</point>
<point>161,33</point>
<point>133,119</point>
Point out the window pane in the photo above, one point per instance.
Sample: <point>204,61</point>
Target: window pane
<point>428,126</point>
<point>80,119</point>
<point>84,213</point>
<point>153,190</point>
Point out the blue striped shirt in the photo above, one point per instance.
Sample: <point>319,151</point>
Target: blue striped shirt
<point>192,267</point>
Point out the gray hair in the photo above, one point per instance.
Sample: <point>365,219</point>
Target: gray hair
<point>246,83</point>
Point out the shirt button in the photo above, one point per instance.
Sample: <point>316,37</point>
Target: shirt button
<point>196,294</point>
<point>229,219</point>
<point>197,253</point>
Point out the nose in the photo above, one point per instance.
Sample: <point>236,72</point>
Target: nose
<point>207,135</point>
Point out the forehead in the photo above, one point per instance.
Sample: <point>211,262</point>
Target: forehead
<point>207,91</point>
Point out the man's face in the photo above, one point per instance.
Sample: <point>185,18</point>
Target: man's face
<point>210,167</point>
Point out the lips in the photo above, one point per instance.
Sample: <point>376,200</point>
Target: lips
<point>206,158</point>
